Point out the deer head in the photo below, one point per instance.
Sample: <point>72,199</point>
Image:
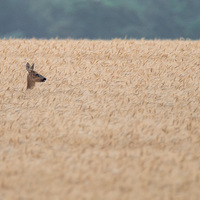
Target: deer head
<point>33,76</point>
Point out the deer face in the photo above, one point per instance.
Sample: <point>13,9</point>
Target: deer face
<point>33,76</point>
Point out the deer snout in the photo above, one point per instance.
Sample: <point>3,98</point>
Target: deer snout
<point>44,79</point>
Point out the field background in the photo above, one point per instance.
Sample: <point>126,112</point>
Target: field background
<point>116,119</point>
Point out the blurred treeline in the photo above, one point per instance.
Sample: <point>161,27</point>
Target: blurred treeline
<point>95,19</point>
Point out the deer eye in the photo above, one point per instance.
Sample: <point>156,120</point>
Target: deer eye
<point>37,75</point>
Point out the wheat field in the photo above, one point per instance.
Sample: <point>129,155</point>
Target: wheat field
<point>116,119</point>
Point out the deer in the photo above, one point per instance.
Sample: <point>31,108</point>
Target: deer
<point>33,76</point>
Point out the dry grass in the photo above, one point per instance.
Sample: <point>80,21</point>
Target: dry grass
<point>116,119</point>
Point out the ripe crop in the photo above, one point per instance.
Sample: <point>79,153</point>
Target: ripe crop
<point>116,119</point>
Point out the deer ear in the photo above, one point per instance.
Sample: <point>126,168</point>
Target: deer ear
<point>32,67</point>
<point>28,67</point>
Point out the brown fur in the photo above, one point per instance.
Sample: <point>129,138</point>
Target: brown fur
<point>33,76</point>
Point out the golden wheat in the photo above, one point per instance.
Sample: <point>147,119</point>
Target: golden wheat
<point>116,119</point>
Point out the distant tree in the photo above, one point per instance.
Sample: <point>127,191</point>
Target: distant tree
<point>18,20</point>
<point>96,20</point>
<point>103,19</point>
<point>172,19</point>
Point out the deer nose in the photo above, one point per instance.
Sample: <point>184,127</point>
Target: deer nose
<point>44,79</point>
